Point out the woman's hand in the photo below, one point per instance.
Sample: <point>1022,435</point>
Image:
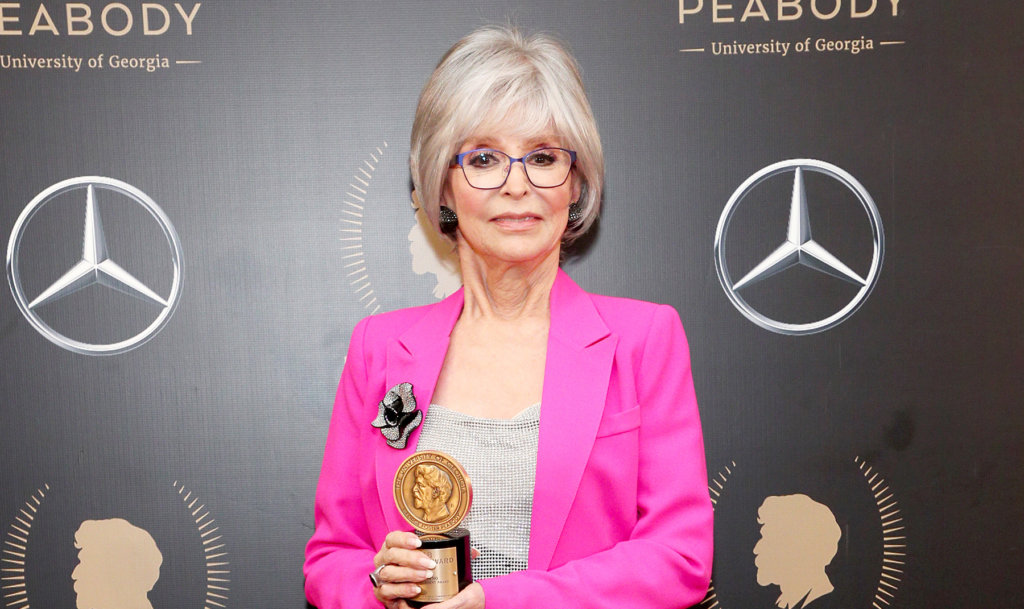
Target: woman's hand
<point>471,597</point>
<point>404,566</point>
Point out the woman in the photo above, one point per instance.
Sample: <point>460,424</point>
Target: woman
<point>574,413</point>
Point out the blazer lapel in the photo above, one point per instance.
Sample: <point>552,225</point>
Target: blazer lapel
<point>414,357</point>
<point>576,376</point>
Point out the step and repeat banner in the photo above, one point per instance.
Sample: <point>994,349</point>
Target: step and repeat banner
<point>199,200</point>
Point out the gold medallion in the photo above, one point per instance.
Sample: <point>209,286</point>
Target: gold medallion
<point>432,491</point>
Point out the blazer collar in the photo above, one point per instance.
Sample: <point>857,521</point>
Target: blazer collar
<point>574,319</point>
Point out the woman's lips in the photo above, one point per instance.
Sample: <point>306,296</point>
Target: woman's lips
<point>516,220</point>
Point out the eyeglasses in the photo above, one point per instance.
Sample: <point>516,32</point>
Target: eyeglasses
<point>487,169</point>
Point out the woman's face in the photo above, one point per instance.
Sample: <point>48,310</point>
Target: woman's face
<point>518,222</point>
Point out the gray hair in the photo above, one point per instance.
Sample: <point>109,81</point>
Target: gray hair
<point>498,75</point>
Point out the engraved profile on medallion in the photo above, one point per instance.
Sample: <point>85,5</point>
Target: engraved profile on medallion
<point>799,538</point>
<point>118,564</point>
<point>432,492</point>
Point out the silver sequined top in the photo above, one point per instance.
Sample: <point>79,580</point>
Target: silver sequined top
<point>500,456</point>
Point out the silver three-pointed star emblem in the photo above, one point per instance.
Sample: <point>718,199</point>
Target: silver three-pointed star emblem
<point>799,247</point>
<point>96,266</point>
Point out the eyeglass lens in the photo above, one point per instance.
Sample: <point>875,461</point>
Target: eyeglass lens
<point>545,168</point>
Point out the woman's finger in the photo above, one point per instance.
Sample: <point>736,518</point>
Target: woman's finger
<point>471,597</point>
<point>413,559</point>
<point>394,574</point>
<point>389,593</point>
<point>396,540</point>
<point>402,539</point>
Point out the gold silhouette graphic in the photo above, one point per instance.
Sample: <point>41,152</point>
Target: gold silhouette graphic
<point>433,254</point>
<point>799,538</point>
<point>118,564</point>
<point>431,493</point>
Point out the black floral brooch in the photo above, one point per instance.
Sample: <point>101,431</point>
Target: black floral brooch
<point>397,415</point>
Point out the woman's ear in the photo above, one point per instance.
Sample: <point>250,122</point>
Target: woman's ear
<point>577,186</point>
<point>447,198</point>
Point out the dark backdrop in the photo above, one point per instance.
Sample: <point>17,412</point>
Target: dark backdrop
<point>275,140</point>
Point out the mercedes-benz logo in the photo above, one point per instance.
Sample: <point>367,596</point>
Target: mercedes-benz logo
<point>798,247</point>
<point>96,266</point>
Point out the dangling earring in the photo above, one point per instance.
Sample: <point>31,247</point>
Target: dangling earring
<point>447,220</point>
<point>575,213</point>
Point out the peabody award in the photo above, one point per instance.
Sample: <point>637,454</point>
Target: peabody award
<point>433,493</point>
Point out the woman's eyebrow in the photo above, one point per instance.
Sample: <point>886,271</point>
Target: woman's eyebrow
<point>542,141</point>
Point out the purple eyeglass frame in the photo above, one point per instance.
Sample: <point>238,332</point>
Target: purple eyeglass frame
<point>457,162</point>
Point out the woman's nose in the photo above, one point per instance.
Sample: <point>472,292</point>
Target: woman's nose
<point>517,182</point>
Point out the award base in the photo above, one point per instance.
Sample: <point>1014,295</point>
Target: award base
<point>453,572</point>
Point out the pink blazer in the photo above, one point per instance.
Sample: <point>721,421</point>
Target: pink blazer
<point>621,513</point>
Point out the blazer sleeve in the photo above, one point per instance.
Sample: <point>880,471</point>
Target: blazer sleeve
<point>666,560</point>
<point>340,553</point>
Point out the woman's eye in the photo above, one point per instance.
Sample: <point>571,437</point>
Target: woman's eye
<point>482,159</point>
<point>542,159</point>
